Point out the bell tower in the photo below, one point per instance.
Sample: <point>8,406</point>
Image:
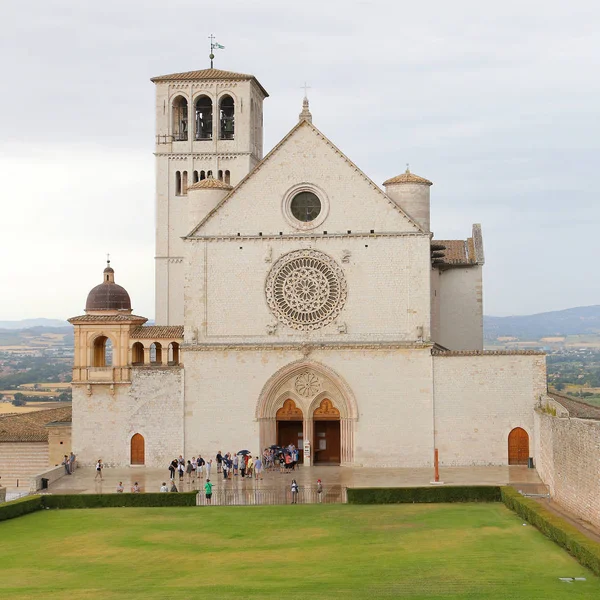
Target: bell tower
<point>209,124</point>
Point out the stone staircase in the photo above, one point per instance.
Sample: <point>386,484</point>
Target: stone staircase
<point>19,461</point>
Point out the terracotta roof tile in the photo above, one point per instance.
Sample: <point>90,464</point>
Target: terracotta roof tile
<point>104,318</point>
<point>174,332</point>
<point>210,184</point>
<point>30,427</point>
<point>407,177</point>
<point>205,74</point>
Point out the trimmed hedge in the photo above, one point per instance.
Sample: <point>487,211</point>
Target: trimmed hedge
<point>22,506</point>
<point>118,500</point>
<point>586,551</point>
<point>450,493</point>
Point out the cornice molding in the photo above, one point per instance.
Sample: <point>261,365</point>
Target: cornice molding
<point>306,349</point>
<point>311,235</point>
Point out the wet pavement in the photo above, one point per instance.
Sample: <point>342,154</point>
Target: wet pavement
<point>83,481</point>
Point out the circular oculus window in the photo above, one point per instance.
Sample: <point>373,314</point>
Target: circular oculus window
<point>305,207</point>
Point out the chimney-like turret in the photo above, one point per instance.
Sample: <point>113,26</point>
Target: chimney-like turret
<point>411,193</point>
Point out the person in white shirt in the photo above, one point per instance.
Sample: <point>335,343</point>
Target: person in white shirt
<point>120,488</point>
<point>99,467</point>
<point>163,487</point>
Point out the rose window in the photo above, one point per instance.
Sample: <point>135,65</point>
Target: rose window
<point>306,289</point>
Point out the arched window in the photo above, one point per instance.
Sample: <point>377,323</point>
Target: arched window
<point>202,175</point>
<point>195,176</point>
<point>209,173</point>
<point>103,352</point>
<point>156,353</point>
<point>184,183</point>
<point>180,119</point>
<point>178,183</point>
<point>137,354</point>
<point>204,118</point>
<point>226,117</point>
<point>220,175</point>
<point>227,177</point>
<point>173,353</point>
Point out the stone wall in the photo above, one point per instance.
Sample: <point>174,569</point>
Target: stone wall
<point>479,399</point>
<point>21,460</point>
<point>105,422</point>
<point>569,463</point>
<point>459,306</point>
<point>59,443</point>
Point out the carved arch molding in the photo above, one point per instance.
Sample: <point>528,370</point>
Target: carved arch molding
<point>307,391</point>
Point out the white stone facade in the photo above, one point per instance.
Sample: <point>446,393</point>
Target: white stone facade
<point>312,305</point>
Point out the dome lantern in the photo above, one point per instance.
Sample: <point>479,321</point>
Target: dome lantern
<point>108,296</point>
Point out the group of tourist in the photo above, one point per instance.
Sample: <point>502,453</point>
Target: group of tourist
<point>230,465</point>
<point>69,463</point>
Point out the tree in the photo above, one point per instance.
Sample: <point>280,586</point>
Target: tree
<point>559,387</point>
<point>18,399</point>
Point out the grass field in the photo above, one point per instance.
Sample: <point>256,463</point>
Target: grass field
<point>476,551</point>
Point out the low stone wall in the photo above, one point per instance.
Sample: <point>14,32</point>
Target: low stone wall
<point>568,462</point>
<point>52,474</point>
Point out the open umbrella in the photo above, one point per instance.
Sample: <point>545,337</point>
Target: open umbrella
<point>275,447</point>
<point>244,452</point>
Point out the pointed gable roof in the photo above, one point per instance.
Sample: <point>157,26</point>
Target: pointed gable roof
<point>274,151</point>
<point>207,74</point>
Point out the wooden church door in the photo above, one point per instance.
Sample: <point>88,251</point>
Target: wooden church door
<point>518,447</point>
<point>137,450</point>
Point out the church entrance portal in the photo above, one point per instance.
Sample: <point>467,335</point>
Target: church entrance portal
<point>290,427</point>
<point>137,450</point>
<point>307,403</point>
<point>326,445</point>
<point>518,447</point>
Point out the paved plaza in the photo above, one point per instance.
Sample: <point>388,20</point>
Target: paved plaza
<point>83,480</point>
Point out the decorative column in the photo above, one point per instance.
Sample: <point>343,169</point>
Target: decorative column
<point>307,435</point>
<point>347,441</point>
<point>267,433</point>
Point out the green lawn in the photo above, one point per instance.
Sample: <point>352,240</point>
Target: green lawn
<point>286,552</point>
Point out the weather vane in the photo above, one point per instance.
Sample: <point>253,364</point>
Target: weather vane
<point>213,45</point>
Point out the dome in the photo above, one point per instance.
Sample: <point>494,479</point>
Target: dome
<point>408,177</point>
<point>108,295</point>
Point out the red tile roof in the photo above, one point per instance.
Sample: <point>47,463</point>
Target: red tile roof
<point>30,427</point>
<point>174,332</point>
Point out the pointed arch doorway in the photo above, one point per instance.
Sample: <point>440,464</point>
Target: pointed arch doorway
<point>290,426</point>
<point>308,384</point>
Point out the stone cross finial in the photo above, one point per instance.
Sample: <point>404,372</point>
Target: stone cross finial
<point>305,114</point>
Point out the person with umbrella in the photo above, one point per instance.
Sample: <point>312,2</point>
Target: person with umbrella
<point>243,454</point>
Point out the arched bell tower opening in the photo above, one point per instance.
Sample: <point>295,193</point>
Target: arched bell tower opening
<point>180,119</point>
<point>227,118</point>
<point>327,406</point>
<point>204,118</point>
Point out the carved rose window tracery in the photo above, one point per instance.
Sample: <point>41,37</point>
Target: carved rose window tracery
<point>306,289</point>
<point>307,384</point>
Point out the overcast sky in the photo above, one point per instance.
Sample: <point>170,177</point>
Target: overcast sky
<point>496,103</point>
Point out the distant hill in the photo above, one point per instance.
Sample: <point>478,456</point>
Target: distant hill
<point>572,321</point>
<point>27,323</point>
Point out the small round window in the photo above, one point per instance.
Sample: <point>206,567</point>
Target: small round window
<point>305,207</point>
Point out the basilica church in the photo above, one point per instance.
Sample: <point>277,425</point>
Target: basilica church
<point>297,301</point>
